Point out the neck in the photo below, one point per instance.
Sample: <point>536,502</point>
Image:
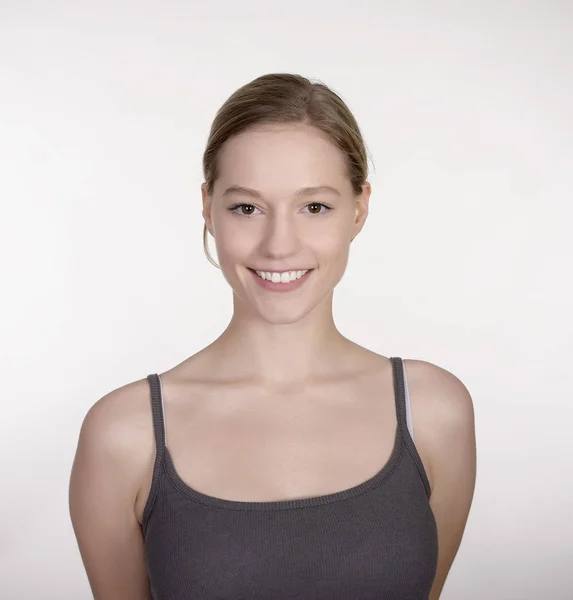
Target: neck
<point>279,355</point>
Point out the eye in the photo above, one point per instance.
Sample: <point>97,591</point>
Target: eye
<point>244,213</point>
<point>318,205</point>
<point>248,210</point>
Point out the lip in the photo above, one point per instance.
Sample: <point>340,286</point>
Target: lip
<point>277,271</point>
<point>281,287</point>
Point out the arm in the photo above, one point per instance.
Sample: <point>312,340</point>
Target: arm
<point>447,438</point>
<point>104,482</point>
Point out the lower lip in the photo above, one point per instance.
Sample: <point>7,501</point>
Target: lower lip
<point>281,287</point>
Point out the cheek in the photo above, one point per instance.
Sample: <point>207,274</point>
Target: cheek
<point>330,241</point>
<point>233,242</point>
<point>333,246</point>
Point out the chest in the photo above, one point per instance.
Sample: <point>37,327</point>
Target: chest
<point>378,541</point>
<point>315,495</point>
<point>250,446</point>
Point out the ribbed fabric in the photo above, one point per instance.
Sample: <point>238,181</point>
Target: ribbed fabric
<point>374,541</point>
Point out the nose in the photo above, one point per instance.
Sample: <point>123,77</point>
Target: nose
<point>281,237</point>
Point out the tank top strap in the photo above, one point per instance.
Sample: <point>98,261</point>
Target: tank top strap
<point>157,413</point>
<point>404,418</point>
<point>400,395</point>
<point>159,432</point>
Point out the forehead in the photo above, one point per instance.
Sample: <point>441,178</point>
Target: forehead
<point>281,158</point>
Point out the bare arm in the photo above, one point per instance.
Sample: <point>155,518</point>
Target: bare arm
<point>104,482</point>
<point>446,433</point>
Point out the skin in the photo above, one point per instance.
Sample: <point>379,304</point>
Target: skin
<point>280,377</point>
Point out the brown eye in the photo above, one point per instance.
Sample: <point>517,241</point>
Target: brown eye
<point>315,208</point>
<point>245,209</point>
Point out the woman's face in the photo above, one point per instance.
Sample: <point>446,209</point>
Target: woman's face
<point>265,218</point>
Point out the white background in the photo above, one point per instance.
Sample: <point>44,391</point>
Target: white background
<point>466,108</point>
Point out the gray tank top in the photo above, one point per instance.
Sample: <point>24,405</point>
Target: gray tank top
<point>374,541</point>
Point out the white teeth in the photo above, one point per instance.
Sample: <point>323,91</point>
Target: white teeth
<point>281,277</point>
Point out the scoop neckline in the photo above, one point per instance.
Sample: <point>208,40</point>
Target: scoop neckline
<point>372,482</point>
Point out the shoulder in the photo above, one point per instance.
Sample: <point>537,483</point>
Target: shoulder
<point>443,415</point>
<point>110,461</point>
<point>122,411</point>
<point>116,434</point>
<point>439,394</point>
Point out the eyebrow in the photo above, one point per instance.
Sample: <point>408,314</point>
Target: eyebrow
<point>305,191</point>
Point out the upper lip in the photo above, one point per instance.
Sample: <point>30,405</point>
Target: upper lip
<point>283,270</point>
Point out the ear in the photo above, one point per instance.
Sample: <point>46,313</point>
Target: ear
<point>207,203</point>
<point>361,209</point>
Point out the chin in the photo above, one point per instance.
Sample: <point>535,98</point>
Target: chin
<point>285,316</point>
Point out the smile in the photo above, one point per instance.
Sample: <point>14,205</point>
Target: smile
<point>281,277</point>
<point>284,281</point>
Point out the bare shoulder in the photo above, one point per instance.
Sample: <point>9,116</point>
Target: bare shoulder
<point>439,395</point>
<point>442,411</point>
<point>118,429</point>
<point>114,452</point>
<point>122,411</point>
<point>443,415</point>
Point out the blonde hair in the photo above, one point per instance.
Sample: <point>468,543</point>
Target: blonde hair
<point>286,98</point>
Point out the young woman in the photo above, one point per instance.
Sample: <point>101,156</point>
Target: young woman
<point>283,460</point>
